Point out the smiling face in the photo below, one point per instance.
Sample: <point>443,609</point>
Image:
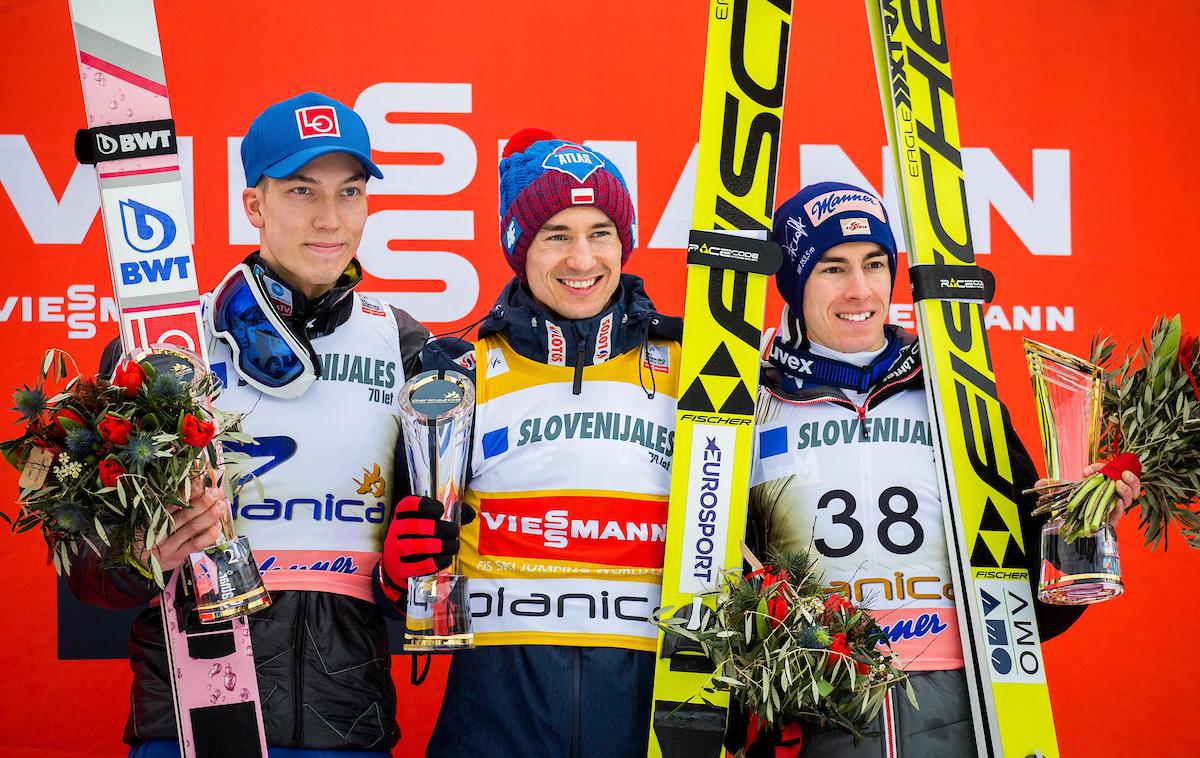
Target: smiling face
<point>310,223</point>
<point>847,296</point>
<point>574,263</point>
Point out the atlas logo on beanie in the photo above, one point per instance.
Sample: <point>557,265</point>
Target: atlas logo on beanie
<point>541,175</point>
<point>819,217</point>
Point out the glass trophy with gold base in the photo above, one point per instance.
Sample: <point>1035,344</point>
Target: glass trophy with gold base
<point>1068,392</point>
<point>436,411</point>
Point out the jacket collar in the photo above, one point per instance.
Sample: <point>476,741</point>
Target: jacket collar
<point>904,372</point>
<point>539,335</point>
<point>321,315</point>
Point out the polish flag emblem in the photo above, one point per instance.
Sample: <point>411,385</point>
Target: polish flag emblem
<point>583,196</point>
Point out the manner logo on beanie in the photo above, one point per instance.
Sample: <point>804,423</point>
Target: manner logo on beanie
<point>541,176</point>
<point>819,217</point>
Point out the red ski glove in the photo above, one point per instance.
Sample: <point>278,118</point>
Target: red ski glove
<point>418,542</point>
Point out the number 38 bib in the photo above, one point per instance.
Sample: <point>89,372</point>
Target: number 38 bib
<point>860,495</point>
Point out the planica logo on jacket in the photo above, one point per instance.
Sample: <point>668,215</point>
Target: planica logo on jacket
<point>317,513</point>
<point>580,565</point>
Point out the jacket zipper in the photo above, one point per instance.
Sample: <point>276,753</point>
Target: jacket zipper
<point>577,386</point>
<point>298,670</point>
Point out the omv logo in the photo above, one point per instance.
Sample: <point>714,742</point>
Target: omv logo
<point>147,229</point>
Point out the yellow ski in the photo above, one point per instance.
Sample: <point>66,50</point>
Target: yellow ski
<point>1005,670</point>
<point>741,116</point>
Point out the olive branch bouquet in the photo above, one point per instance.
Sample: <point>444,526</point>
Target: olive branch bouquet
<point>101,461</point>
<point>787,653</point>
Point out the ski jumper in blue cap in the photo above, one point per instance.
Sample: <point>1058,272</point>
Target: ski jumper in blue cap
<point>310,362</point>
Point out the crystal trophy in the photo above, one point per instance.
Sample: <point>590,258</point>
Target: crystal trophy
<point>436,410</point>
<point>1068,391</point>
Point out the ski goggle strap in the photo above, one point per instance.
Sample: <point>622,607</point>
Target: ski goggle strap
<point>266,352</point>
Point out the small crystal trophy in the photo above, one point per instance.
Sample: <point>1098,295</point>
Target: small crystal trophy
<point>436,410</point>
<point>1068,391</point>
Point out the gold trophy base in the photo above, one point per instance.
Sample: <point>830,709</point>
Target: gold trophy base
<point>438,643</point>
<point>226,581</point>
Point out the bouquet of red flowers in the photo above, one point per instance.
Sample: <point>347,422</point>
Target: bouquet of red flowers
<point>102,460</point>
<point>788,653</point>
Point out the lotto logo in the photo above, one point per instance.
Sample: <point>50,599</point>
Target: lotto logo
<point>317,121</point>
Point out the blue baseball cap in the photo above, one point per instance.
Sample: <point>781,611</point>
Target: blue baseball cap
<point>288,135</point>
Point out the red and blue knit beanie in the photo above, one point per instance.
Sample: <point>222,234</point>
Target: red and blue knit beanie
<point>541,175</point>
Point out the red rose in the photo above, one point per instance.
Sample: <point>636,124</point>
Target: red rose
<point>837,646</point>
<point>65,420</point>
<point>115,429</point>
<point>836,602</point>
<point>129,376</point>
<point>110,470</point>
<point>196,432</point>
<point>777,609</point>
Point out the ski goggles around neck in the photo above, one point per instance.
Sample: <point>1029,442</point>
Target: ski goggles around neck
<point>267,352</point>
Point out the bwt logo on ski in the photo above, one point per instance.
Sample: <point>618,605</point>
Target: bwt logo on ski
<point>317,121</point>
<point>149,230</point>
<point>134,142</point>
<point>574,160</point>
<point>820,208</point>
<point>152,229</point>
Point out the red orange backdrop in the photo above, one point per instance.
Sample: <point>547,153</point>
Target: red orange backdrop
<point>1078,118</point>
